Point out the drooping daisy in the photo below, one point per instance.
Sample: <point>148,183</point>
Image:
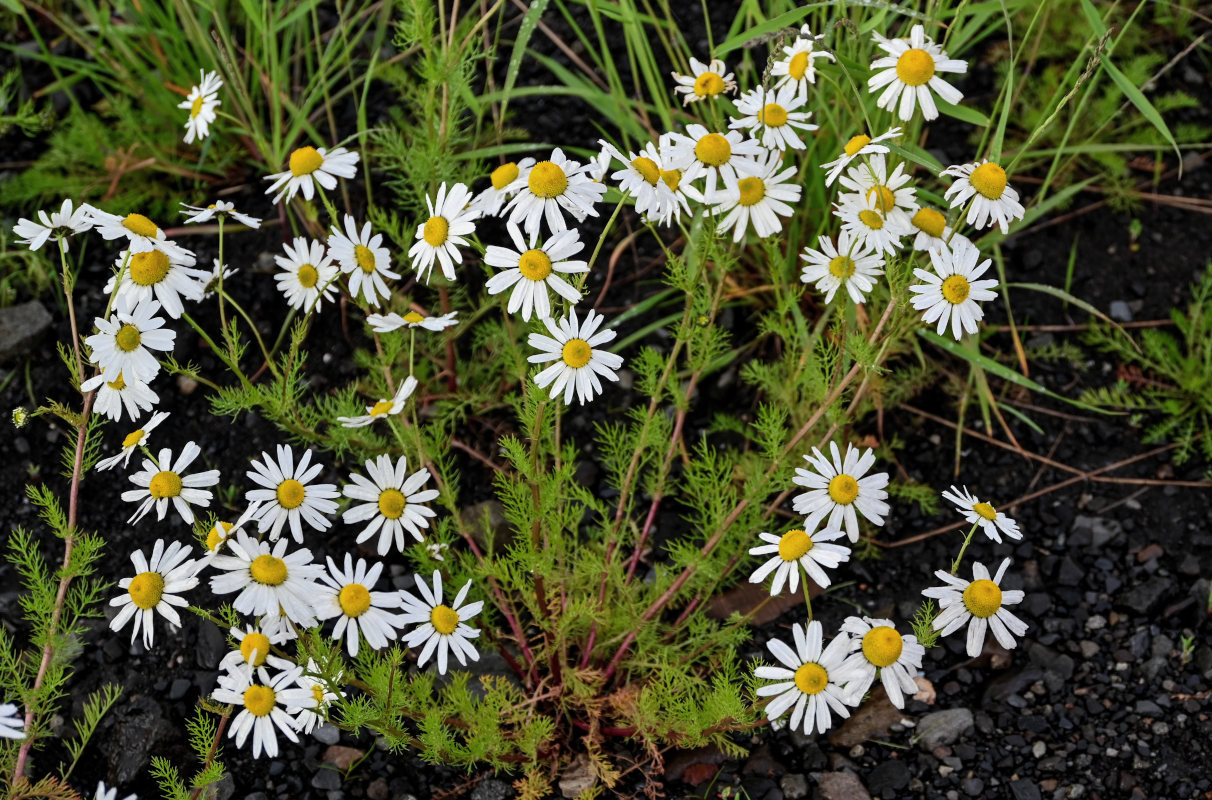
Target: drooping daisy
<point>810,679</point>
<point>312,165</point>
<point>441,236</point>
<point>385,323</point>
<point>910,71</point>
<point>263,707</point>
<point>254,651</point>
<point>103,793</point>
<point>760,199</point>
<point>837,489</point>
<point>794,549</point>
<point>992,522</point>
<point>162,481</point>
<point>133,441</point>
<point>390,501</point>
<point>154,275</point>
<point>551,185</point>
<point>883,648</point>
<point>952,291</point>
<point>932,229</point>
<point>504,182</point>
<point>860,145</point>
<point>383,408</point>
<point>348,596</point>
<point>270,582</point>
<point>893,195</point>
<point>306,719</point>
<point>442,627</point>
<point>798,66</point>
<point>851,264</point>
<point>308,276</point>
<point>704,81</point>
<point>12,725</point>
<point>210,280</point>
<point>718,157</point>
<point>219,208</point>
<point>202,102</point>
<point>61,224</point>
<point>363,258</point>
<point>221,531</point>
<point>575,347</point>
<point>140,232</point>
<point>114,396</point>
<point>288,494</point>
<point>993,199</point>
<point>642,178</point>
<point>156,587</point>
<point>531,271</point>
<point>125,340</point>
<point>864,218</point>
<point>773,118</point>
<point>979,603</point>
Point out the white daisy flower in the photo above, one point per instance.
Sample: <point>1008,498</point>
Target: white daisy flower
<point>220,208</point>
<point>794,549</point>
<point>125,340</point>
<point>575,349</point>
<point>952,294</point>
<point>504,182</point>
<point>113,396</point>
<point>881,647</point>
<point>860,145</point>
<point>441,236</point>
<point>797,68</point>
<point>308,276</point>
<point>288,494</point>
<point>442,627</point>
<point>263,707</point>
<point>270,582</point>
<point>364,259</point>
<point>531,271</point>
<point>12,725</point>
<point>385,323</point>
<point>383,408</point>
<point>643,178</point>
<point>892,194</point>
<point>347,596</point>
<point>154,275</point>
<point>992,522</point>
<point>773,118</point>
<point>309,166</point>
<point>437,550</point>
<point>910,71</point>
<point>156,587</point>
<point>760,199</point>
<point>863,217</point>
<point>390,501</point>
<point>851,264</point>
<point>140,232</point>
<point>61,224</point>
<point>837,489</point>
<point>103,793</point>
<point>932,229</point>
<point>704,81</point>
<point>993,199</point>
<point>162,481</point>
<point>306,719</point>
<point>550,186</point>
<point>133,441</point>
<point>221,531</point>
<point>810,680</point>
<point>981,604</point>
<point>210,279</point>
<point>202,102</point>
<point>721,157</point>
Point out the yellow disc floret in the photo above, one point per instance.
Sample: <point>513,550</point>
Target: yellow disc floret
<point>841,267</point>
<point>146,589</point>
<point>882,645</point>
<point>366,257</point>
<point>983,598</point>
<point>886,200</point>
<point>354,600</point>
<point>843,489</point>
<point>504,175</point>
<point>956,289</point>
<point>305,161</point>
<point>435,231</point>
<point>535,265</point>
<point>915,67</point>
<point>259,700</point>
<point>290,493</point>
<point>577,353</point>
<point>989,179</point>
<point>444,619</point>
<point>985,510</point>
<point>128,338</point>
<point>871,219</point>
<point>547,180</point>
<point>774,115</point>
<point>798,66</point>
<point>140,225</point>
<point>648,169</point>
<point>255,648</point>
<point>930,222</point>
<point>856,143</point>
<point>412,317</point>
<point>708,84</point>
<point>217,535</point>
<point>132,439</point>
<point>268,570</point>
<point>195,107</point>
<point>811,678</point>
<point>794,544</point>
<point>752,191</point>
<point>713,150</point>
<point>148,268</point>
<point>381,408</point>
<point>392,503</point>
<point>671,177</point>
<point>165,484</point>
<point>118,384</point>
<point>308,276</point>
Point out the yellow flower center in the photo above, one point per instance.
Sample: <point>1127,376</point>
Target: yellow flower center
<point>149,268</point>
<point>708,84</point>
<point>857,143</point>
<point>317,691</point>
<point>989,179</point>
<point>132,439</point>
<point>255,641</point>
<point>930,222</point>
<point>841,267</point>
<point>798,66</point>
<point>128,338</point>
<point>366,259</point>
<point>268,570</point>
<point>752,191</point>
<point>140,225</point>
<point>196,107</point>
<point>955,289</point>
<point>983,598</point>
<point>886,198</point>
<point>672,178</point>
<point>354,600</point>
<point>985,510</point>
<point>843,489</point>
<point>381,408</point>
<point>882,646</point>
<point>444,619</point>
<point>576,353</point>
<point>118,384</point>
<point>259,700</point>
<point>217,535</point>
<point>713,150</point>
<point>305,161</point>
<point>648,169</point>
<point>308,276</point>
<point>392,503</point>
<point>413,317</point>
<point>774,115</point>
<point>871,219</point>
<point>165,484</point>
<point>811,678</point>
<point>794,544</point>
<point>146,589</point>
<point>504,175</point>
<point>435,231</point>
<point>915,67</point>
<point>535,265</point>
<point>547,180</point>
<point>291,493</point>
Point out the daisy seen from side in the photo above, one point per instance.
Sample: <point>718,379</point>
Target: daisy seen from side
<point>118,395</point>
<point>551,185</point>
<point>390,501</point>
<point>164,481</point>
<point>773,117</point>
<point>797,68</point>
<point>269,580</point>
<point>140,232</point>
<point>994,523</point>
<point>60,225</point>
<point>386,323</point>
<point>642,178</point>
<point>124,342</point>
<point>795,549</point>
<point>306,719</point>
<point>363,258</point>
<point>910,71</point>
<point>440,237</point>
<point>442,628</point>
<point>287,494</point>
<point>837,489</point>
<point>860,145</point>
<point>308,275</point>
<point>383,408</point>
<point>980,604</point>
<point>155,589</point>
<point>133,441</point>
<point>809,679</point>
<point>263,707</point>
<point>503,183</point>
<point>952,293</point>
<point>202,102</point>
<point>219,209</point>
<point>850,263</point>
<point>758,199</point>
<point>704,81</point>
<point>309,166</point>
<point>993,199</point>
<point>347,595</point>
<point>531,271</point>
<point>575,349</point>
<point>932,229</point>
<point>882,649</point>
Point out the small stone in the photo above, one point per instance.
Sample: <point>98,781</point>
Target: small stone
<point>186,385</point>
<point>944,727</point>
<point>1096,622</point>
<point>21,326</point>
<point>377,790</point>
<point>326,734</point>
<point>1121,311</point>
<point>256,796</point>
<point>342,757</point>
<point>490,789</point>
<point>794,786</point>
<point>1145,598</point>
<point>891,774</point>
<point>1038,749</point>
<point>1024,790</point>
<point>326,779</point>
<point>1149,553</point>
<point>973,787</point>
<point>841,786</point>
<point>179,688</point>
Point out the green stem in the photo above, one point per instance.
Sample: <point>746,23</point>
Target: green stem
<point>269,360</point>
<point>71,310</point>
<point>235,368</point>
<point>601,240</point>
<point>967,541</point>
<point>222,310</point>
<point>807,593</point>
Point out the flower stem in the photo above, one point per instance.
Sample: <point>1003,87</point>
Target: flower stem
<point>967,540</point>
